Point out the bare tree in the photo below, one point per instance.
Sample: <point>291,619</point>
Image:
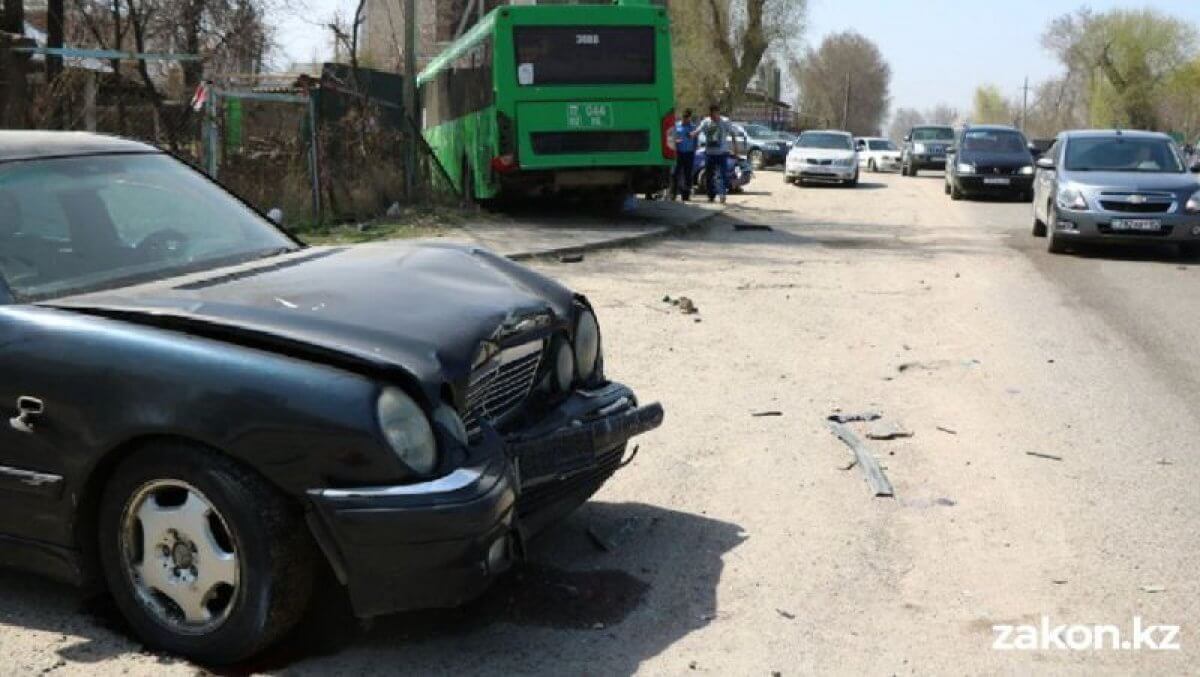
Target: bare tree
<point>903,120</point>
<point>845,83</point>
<point>730,39</point>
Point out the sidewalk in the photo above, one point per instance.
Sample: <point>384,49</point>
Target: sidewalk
<point>531,233</point>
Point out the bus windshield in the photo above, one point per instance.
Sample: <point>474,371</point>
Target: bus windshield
<point>585,55</point>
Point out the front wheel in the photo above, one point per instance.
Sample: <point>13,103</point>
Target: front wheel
<point>203,557</point>
<point>872,166</point>
<point>955,193</point>
<point>1054,244</point>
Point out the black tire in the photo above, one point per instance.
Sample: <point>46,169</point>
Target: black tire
<point>1054,245</point>
<point>1039,226</point>
<point>955,193</point>
<point>946,187</point>
<point>874,169</point>
<point>274,555</point>
<point>903,168</point>
<point>853,183</point>
<point>913,171</point>
<point>1189,250</point>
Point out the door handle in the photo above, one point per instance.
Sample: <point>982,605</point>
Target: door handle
<point>28,408</point>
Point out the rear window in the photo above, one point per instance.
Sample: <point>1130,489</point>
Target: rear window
<point>881,145</point>
<point>584,55</point>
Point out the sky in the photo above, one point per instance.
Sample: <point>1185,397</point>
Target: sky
<point>939,50</point>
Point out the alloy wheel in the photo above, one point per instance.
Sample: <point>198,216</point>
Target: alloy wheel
<point>180,557</point>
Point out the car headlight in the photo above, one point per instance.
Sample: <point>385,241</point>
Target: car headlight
<point>918,148</point>
<point>846,162</point>
<point>1071,198</point>
<point>966,168</point>
<point>587,345</point>
<point>564,367</point>
<point>1027,170</point>
<point>407,430</point>
<point>1193,204</point>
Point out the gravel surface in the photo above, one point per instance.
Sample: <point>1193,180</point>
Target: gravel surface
<point>1051,468</point>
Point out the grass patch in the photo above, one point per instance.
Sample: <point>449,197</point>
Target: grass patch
<point>412,222</point>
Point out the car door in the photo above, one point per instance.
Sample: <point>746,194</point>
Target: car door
<point>31,465</point>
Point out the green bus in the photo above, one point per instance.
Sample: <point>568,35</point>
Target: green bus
<point>538,99</point>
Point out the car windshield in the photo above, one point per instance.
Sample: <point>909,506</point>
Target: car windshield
<point>932,134</point>
<point>881,145</point>
<point>1122,154</point>
<point>758,131</point>
<point>826,141</point>
<point>80,224</point>
<point>991,141</point>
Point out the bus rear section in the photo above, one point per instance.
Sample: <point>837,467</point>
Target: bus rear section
<point>584,99</point>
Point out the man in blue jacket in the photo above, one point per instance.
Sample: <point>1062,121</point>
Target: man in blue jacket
<point>685,157</point>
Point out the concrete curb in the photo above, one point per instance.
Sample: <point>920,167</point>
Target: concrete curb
<point>622,241</point>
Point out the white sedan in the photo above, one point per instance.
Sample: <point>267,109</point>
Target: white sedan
<point>877,154</point>
<point>826,155</point>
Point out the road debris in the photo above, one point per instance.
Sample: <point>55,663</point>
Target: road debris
<point>1165,461</point>
<point>785,614</point>
<point>1152,589</point>
<point>751,226</point>
<point>762,414</point>
<point>571,258</point>
<point>873,473</point>
<point>683,303</point>
<point>839,417</point>
<point>948,431</point>
<point>1038,454</point>
<point>1058,581</point>
<point>887,430</point>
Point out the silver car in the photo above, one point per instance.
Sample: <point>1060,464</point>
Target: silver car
<point>1119,186</point>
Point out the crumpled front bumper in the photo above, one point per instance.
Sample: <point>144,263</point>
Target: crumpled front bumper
<point>441,543</point>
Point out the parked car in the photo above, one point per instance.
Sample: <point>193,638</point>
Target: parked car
<point>1116,186</point>
<point>788,138</point>
<point>989,160</point>
<point>823,155</point>
<point>1038,147</point>
<point>763,148</point>
<point>877,154</point>
<point>200,412</point>
<point>925,148</point>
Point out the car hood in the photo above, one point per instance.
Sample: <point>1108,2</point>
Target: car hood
<point>822,153</point>
<point>1133,181</point>
<point>425,308</point>
<point>996,159</point>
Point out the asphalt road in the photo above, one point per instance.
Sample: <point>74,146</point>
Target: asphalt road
<point>1053,468</point>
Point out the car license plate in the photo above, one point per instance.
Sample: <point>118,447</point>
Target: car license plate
<point>997,182</point>
<point>1143,225</point>
<point>589,115</point>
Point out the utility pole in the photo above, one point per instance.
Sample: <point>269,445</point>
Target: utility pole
<point>410,97</point>
<point>1024,103</point>
<point>846,104</point>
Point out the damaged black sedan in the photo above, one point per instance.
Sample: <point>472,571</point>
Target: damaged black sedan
<point>201,414</point>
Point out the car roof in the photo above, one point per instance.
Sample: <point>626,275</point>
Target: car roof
<point>1132,133</point>
<point>826,131</point>
<point>33,145</point>
<point>991,128</point>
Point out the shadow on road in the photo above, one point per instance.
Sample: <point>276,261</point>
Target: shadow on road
<point>1148,252</point>
<point>570,595</point>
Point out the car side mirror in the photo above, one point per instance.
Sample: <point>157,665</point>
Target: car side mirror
<point>276,216</point>
<point>1195,168</point>
<point>1045,163</point>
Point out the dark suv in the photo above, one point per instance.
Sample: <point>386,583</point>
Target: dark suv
<point>989,160</point>
<point>925,148</point>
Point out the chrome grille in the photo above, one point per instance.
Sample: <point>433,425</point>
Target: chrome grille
<point>1138,203</point>
<point>499,387</point>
